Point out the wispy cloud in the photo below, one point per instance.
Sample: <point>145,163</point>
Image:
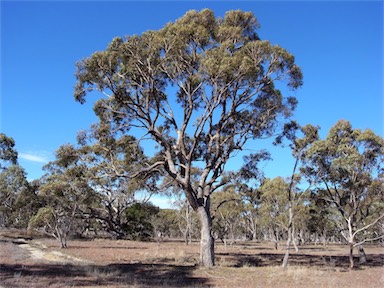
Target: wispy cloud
<point>40,157</point>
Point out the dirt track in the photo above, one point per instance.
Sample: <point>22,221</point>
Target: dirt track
<point>38,252</point>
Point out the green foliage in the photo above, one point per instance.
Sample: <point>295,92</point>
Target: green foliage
<point>138,221</point>
<point>13,186</point>
<point>227,211</point>
<point>347,167</point>
<point>109,160</point>
<point>165,223</point>
<point>8,155</point>
<point>219,67</point>
<point>274,207</point>
<point>347,157</point>
<point>26,206</point>
<point>66,193</point>
<point>224,93</point>
<point>44,217</point>
<point>321,215</point>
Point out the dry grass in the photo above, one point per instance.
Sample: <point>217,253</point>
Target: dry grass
<point>174,264</point>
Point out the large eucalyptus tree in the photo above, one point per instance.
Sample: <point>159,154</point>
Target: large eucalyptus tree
<point>200,88</point>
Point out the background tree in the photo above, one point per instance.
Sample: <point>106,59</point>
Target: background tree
<point>66,194</point>
<point>186,217</point>
<point>298,146</point>
<point>297,214</point>
<point>321,218</point>
<point>13,185</point>
<point>250,214</point>
<point>166,224</point>
<point>347,166</point>
<point>227,206</point>
<point>274,207</point>
<point>109,159</point>
<point>248,182</point>
<point>139,221</point>
<point>8,154</point>
<point>13,182</point>
<point>200,88</point>
<point>187,222</point>
<point>26,205</point>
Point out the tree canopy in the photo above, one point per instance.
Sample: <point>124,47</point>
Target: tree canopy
<point>347,167</point>
<point>200,87</point>
<point>8,154</point>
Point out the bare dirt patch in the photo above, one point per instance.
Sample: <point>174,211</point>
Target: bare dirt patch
<point>108,263</point>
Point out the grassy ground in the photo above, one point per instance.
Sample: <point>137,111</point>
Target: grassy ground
<point>106,263</point>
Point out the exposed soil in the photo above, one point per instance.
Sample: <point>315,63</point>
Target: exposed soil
<point>107,263</point>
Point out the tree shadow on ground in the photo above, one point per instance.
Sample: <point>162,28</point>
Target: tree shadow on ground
<point>119,275</point>
<point>299,259</point>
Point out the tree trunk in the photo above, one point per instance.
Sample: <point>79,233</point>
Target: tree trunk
<point>289,241</point>
<point>207,244</point>
<point>60,235</point>
<point>351,263</point>
<point>286,255</point>
<point>275,244</point>
<point>291,231</point>
<point>254,236</point>
<point>362,256</point>
<point>294,237</point>
<point>324,238</point>
<point>64,242</point>
<point>188,232</point>
<point>253,229</point>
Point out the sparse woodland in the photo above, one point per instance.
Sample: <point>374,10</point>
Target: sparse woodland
<point>199,90</point>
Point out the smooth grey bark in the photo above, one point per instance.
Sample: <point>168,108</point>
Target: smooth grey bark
<point>351,262</point>
<point>188,232</point>
<point>207,243</point>
<point>289,241</point>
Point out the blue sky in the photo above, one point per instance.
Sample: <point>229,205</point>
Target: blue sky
<point>338,45</point>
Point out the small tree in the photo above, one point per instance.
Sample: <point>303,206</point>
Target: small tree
<point>248,182</point>
<point>273,210</point>
<point>227,214</point>
<point>65,192</point>
<point>251,201</point>
<point>298,146</point>
<point>13,183</point>
<point>347,166</point>
<point>185,217</point>
<point>199,88</point>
